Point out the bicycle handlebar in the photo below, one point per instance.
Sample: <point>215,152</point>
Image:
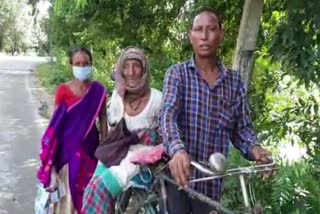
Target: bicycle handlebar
<point>201,168</point>
<point>231,172</point>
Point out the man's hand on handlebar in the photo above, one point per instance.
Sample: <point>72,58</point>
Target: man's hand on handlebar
<point>262,156</point>
<point>180,167</point>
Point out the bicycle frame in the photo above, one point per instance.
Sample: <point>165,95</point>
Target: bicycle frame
<point>192,193</point>
<point>161,178</point>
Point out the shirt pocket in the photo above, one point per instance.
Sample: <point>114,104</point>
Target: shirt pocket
<point>226,112</point>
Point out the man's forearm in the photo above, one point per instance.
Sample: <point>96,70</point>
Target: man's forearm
<point>175,146</point>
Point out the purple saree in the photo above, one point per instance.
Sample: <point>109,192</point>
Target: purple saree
<point>72,138</point>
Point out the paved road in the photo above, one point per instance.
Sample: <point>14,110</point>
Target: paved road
<point>20,131</point>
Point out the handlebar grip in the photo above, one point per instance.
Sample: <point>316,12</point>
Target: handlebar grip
<point>268,159</point>
<point>201,168</point>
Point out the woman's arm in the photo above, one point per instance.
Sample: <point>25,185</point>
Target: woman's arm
<point>59,97</point>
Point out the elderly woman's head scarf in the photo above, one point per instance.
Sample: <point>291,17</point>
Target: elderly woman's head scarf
<point>143,85</point>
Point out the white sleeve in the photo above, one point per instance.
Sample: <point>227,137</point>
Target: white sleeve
<point>155,107</point>
<point>115,109</point>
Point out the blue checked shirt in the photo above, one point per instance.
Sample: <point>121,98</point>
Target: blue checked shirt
<point>203,120</point>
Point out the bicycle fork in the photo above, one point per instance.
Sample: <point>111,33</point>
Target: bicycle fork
<point>164,196</point>
<point>244,192</point>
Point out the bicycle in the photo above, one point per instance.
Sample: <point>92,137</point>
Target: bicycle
<point>148,200</point>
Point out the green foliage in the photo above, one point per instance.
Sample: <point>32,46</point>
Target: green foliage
<point>6,19</point>
<point>285,112</point>
<point>17,30</point>
<point>297,38</point>
<point>284,95</point>
<point>54,73</point>
<point>293,190</point>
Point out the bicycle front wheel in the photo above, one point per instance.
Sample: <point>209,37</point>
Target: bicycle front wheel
<point>147,206</point>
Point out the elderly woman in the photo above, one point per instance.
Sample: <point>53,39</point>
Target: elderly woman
<point>137,105</point>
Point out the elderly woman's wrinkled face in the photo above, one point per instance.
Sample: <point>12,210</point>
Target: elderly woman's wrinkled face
<point>132,72</point>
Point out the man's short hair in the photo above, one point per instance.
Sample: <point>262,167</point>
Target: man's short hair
<point>208,10</point>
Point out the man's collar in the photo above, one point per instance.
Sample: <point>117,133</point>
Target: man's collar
<point>222,67</point>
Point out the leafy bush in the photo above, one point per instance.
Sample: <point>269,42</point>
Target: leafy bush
<point>55,72</point>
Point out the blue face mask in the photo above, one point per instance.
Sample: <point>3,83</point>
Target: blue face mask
<point>82,73</point>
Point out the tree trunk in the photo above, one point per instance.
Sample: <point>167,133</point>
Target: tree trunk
<point>246,42</point>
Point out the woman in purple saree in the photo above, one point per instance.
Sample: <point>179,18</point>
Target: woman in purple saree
<point>68,145</point>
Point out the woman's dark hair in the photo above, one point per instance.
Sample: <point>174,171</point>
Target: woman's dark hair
<point>73,51</point>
